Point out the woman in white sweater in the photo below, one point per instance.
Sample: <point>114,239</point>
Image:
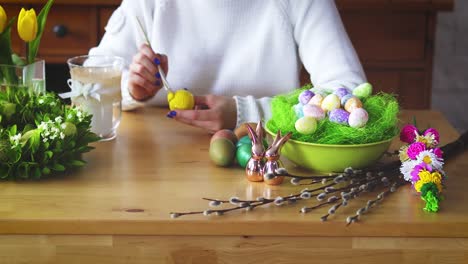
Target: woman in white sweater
<point>233,54</point>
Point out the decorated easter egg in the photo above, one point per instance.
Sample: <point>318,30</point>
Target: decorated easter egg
<point>345,98</point>
<point>181,100</point>
<point>224,133</point>
<point>340,92</point>
<point>298,109</point>
<point>305,96</point>
<point>245,140</point>
<point>314,111</point>
<point>363,90</point>
<point>306,125</point>
<point>339,116</point>
<point>222,152</point>
<point>332,101</point>
<point>242,130</point>
<point>316,100</point>
<point>243,154</point>
<point>358,118</point>
<point>352,104</point>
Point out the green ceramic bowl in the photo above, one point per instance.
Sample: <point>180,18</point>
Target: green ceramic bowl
<point>333,158</point>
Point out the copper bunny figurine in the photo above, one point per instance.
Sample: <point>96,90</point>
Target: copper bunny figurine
<point>254,168</point>
<point>272,155</point>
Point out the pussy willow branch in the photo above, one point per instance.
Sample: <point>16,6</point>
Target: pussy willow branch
<point>353,183</point>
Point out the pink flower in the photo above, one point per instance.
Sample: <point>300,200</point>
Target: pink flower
<point>414,150</point>
<point>438,152</point>
<point>434,132</point>
<point>417,169</point>
<point>408,134</point>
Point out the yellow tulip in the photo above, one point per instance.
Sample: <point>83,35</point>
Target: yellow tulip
<point>27,25</point>
<point>3,19</point>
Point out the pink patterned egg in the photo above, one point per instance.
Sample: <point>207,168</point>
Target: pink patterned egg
<point>316,100</point>
<point>358,118</point>
<point>313,111</point>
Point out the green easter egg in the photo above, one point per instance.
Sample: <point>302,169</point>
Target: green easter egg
<point>243,154</point>
<point>244,140</point>
<point>363,91</point>
<point>222,152</point>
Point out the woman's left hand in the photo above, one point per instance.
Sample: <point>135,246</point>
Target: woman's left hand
<point>212,113</point>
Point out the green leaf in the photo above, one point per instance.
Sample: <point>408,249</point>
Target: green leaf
<point>58,167</point>
<point>17,60</point>
<point>48,154</point>
<point>41,21</point>
<point>46,170</point>
<point>78,163</point>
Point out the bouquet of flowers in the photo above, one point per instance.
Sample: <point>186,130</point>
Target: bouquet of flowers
<point>422,164</point>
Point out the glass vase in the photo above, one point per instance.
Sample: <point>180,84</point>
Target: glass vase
<point>31,76</point>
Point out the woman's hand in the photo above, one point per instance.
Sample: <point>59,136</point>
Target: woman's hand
<point>144,80</point>
<point>211,113</point>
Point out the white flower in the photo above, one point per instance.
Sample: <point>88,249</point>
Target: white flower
<point>40,101</point>
<point>63,126</point>
<point>407,167</point>
<point>428,157</point>
<point>58,119</point>
<point>62,135</point>
<point>69,116</point>
<point>14,140</point>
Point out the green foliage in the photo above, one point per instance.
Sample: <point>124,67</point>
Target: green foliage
<point>40,136</point>
<point>41,21</point>
<point>383,112</point>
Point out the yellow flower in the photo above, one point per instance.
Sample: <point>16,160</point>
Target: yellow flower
<point>27,25</point>
<point>426,177</point>
<point>3,19</point>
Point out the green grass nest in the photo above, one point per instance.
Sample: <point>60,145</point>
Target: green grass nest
<point>383,112</point>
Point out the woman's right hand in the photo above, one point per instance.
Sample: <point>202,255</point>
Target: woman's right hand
<point>144,80</point>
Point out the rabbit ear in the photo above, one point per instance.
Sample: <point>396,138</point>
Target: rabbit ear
<point>259,130</point>
<point>252,134</point>
<point>278,144</point>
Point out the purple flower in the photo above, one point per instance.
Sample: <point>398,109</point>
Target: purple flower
<point>432,131</point>
<point>414,150</point>
<point>408,134</point>
<point>438,152</point>
<point>417,169</point>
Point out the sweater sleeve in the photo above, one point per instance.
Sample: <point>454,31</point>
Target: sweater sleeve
<point>324,46</point>
<point>250,109</point>
<point>122,38</point>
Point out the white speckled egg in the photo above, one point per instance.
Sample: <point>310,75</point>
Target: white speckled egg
<point>306,125</point>
<point>352,104</point>
<point>316,100</point>
<point>314,111</point>
<point>339,116</point>
<point>358,118</point>
<point>332,101</point>
<point>299,110</point>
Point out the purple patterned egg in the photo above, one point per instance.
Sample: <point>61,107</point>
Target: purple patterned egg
<point>339,116</point>
<point>342,92</point>
<point>305,96</point>
<point>345,98</point>
<point>313,111</point>
<point>358,118</point>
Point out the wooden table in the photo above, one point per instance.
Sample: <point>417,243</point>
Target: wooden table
<point>116,210</point>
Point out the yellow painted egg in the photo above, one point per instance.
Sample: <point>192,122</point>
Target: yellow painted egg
<point>332,101</point>
<point>181,100</point>
<point>306,125</point>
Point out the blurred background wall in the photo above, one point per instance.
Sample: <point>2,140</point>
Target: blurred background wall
<point>450,76</point>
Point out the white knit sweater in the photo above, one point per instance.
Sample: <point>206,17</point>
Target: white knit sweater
<point>249,49</point>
